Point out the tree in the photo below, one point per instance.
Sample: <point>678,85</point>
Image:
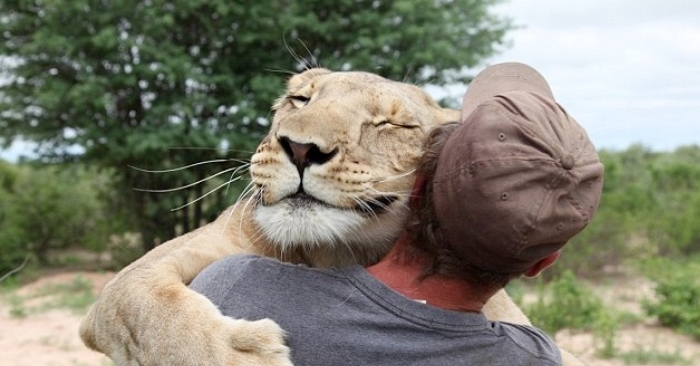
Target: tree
<point>50,207</point>
<point>124,82</point>
<point>12,239</point>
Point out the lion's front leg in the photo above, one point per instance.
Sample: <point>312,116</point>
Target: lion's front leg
<point>502,308</point>
<point>168,324</point>
<point>148,316</point>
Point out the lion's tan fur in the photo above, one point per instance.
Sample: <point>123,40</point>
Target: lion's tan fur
<point>370,129</point>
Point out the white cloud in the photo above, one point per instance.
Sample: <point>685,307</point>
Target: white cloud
<point>626,70</point>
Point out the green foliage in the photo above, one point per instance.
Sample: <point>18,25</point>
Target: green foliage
<point>13,239</point>
<point>649,208</point>
<point>677,183</point>
<point>566,303</point>
<point>13,247</point>
<point>677,303</point>
<point>647,356</point>
<point>51,208</point>
<point>119,83</point>
<point>603,243</point>
<point>123,249</point>
<point>605,328</point>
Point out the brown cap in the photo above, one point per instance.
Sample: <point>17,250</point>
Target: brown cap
<point>519,177</point>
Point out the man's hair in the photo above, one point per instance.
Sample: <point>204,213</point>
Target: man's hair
<point>425,229</point>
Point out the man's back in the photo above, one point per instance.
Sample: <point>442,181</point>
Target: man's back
<point>346,317</point>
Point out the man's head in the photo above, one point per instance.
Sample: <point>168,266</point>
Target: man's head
<point>519,178</point>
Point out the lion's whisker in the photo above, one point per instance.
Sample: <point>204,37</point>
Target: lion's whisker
<point>187,166</point>
<point>249,188</point>
<point>402,193</point>
<point>234,170</point>
<point>256,235</point>
<point>197,148</point>
<point>247,203</point>
<point>280,71</point>
<point>249,194</point>
<point>233,173</point>
<point>312,62</point>
<point>206,194</point>
<point>10,273</point>
<point>243,195</point>
<point>394,177</point>
<point>365,207</point>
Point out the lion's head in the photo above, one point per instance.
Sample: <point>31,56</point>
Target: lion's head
<point>336,169</point>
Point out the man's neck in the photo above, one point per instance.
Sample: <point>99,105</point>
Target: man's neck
<point>401,271</point>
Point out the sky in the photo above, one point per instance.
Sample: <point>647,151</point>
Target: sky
<point>627,70</point>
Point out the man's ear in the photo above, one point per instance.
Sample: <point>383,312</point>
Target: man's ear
<point>542,264</point>
<point>418,190</point>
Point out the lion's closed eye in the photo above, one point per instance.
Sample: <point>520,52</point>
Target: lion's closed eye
<point>381,121</point>
<point>387,121</point>
<point>299,101</point>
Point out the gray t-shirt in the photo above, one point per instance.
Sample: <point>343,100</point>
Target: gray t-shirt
<point>346,317</point>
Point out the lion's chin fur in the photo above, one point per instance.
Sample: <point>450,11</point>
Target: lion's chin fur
<point>324,236</point>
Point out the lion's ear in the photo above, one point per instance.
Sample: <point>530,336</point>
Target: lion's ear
<point>446,115</point>
<point>296,81</point>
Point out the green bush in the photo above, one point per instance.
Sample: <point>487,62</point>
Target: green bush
<point>603,243</point>
<point>625,206</point>
<point>651,356</point>
<point>676,181</point>
<point>51,208</point>
<point>13,240</point>
<point>677,303</point>
<point>565,303</point>
<point>649,208</point>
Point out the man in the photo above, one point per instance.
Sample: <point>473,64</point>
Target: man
<point>495,198</point>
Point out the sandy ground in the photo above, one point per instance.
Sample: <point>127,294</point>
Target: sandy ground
<point>47,338</point>
<point>625,293</point>
<point>51,338</point>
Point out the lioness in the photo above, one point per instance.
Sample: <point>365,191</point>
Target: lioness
<point>331,185</point>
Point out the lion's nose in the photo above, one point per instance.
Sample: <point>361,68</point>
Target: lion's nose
<point>303,155</point>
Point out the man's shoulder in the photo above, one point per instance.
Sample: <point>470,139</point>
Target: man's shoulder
<point>235,263</point>
<point>243,260</point>
<point>532,340</point>
<point>255,268</point>
<point>244,264</point>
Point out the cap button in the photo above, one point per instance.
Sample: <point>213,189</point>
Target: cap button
<point>567,161</point>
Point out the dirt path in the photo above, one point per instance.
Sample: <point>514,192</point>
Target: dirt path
<point>644,344</point>
<point>44,339</point>
<point>50,338</point>
<point>47,338</point>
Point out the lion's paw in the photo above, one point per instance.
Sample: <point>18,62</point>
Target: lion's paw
<point>257,343</point>
<point>261,335</point>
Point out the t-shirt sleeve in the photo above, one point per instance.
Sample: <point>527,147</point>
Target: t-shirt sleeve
<point>534,341</point>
